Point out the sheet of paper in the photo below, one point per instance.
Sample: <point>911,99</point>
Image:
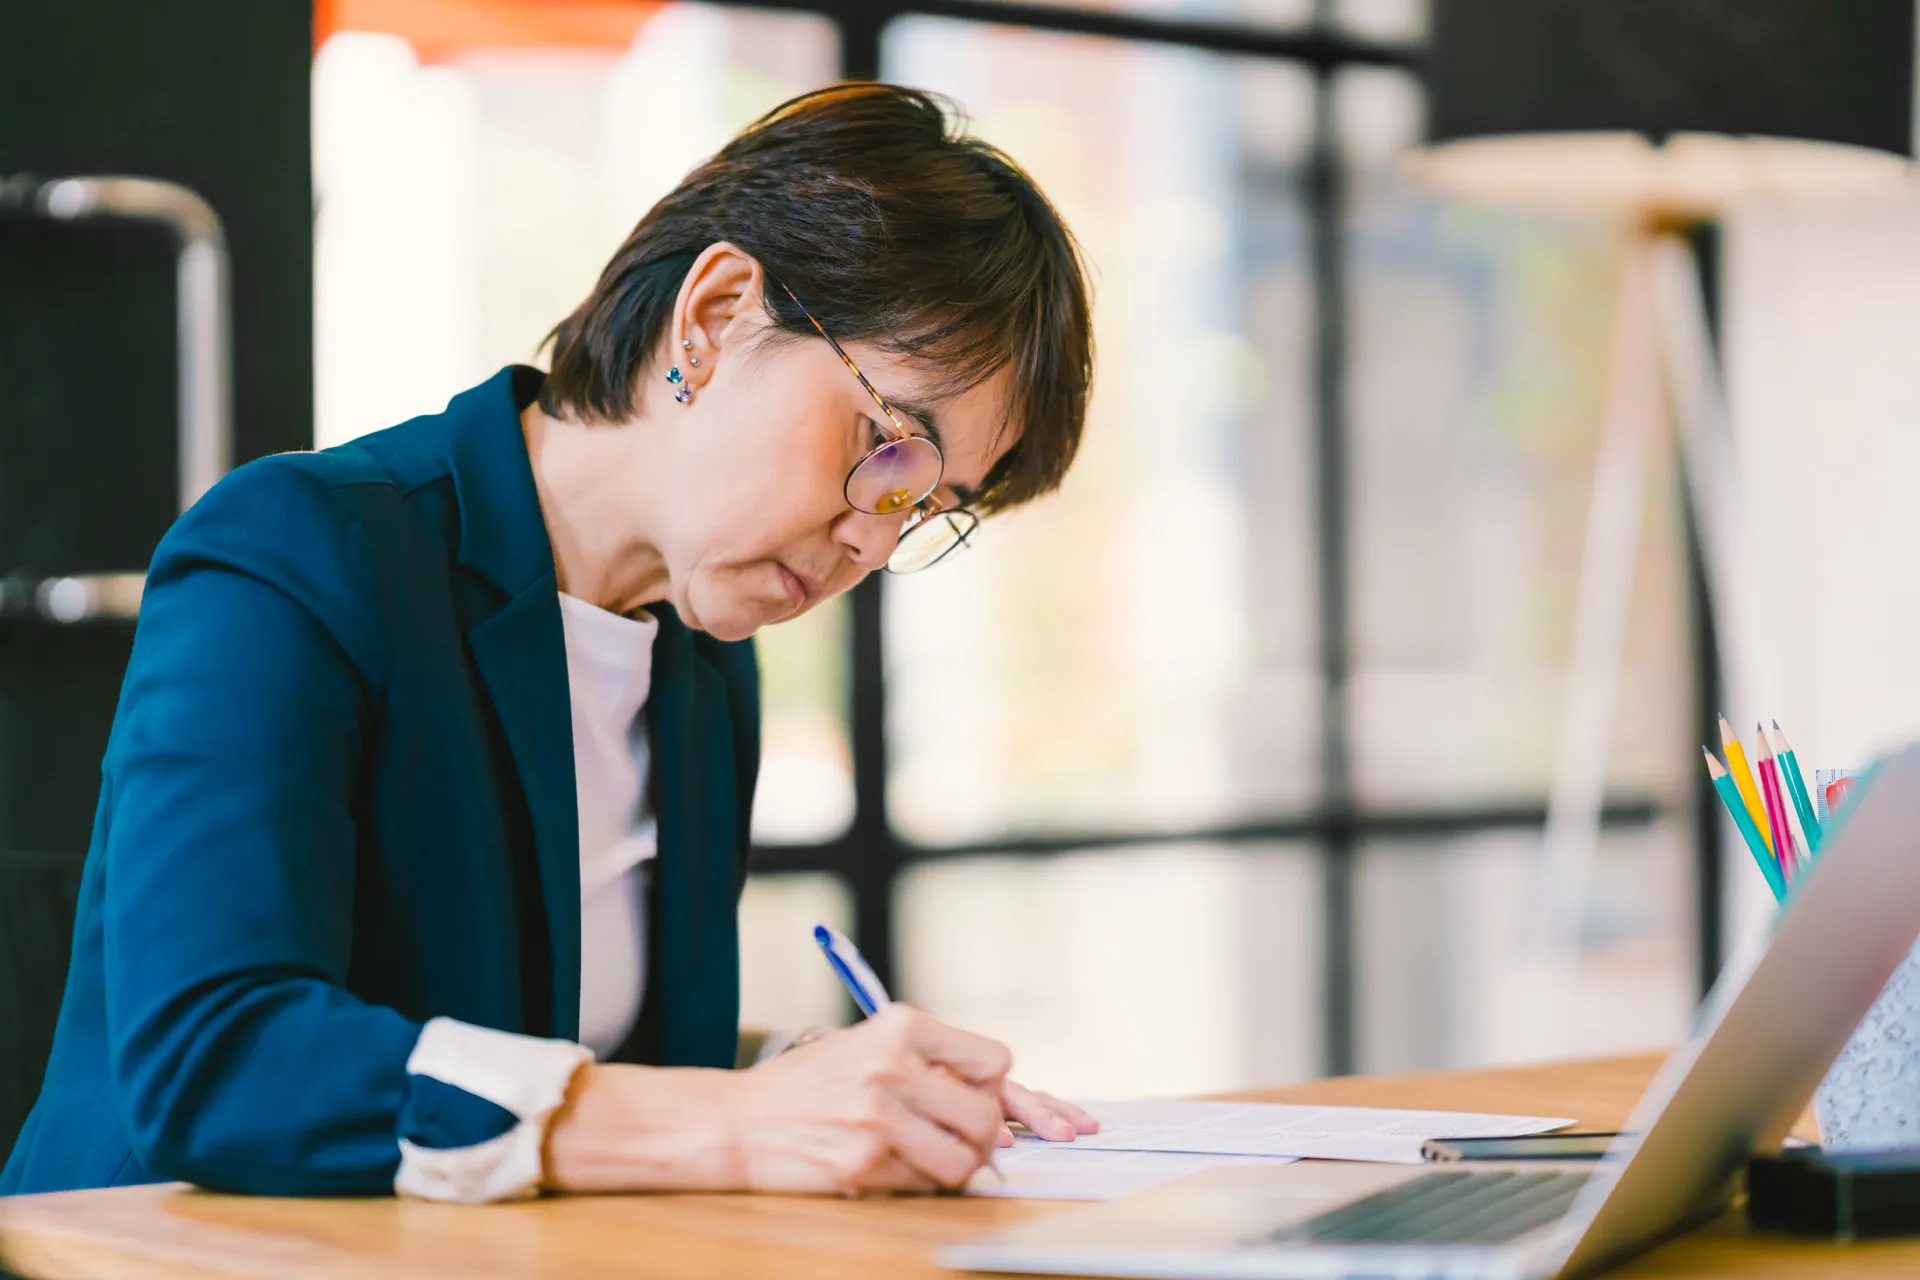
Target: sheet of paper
<point>1038,1170</point>
<point>1271,1129</point>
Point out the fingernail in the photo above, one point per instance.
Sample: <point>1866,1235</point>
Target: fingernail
<point>1006,1137</point>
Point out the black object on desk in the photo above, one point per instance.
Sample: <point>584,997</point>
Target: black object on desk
<point>1529,1146</point>
<point>1843,1195</point>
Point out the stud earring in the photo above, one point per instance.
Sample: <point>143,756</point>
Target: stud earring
<point>687,345</point>
<point>682,390</point>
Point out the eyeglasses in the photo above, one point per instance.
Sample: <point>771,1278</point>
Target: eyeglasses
<point>900,474</point>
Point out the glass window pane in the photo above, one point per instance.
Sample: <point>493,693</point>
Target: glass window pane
<point>1137,650</point>
<point>1478,348</point>
<point>465,206</point>
<point>805,791</point>
<point>784,982</point>
<point>1392,21</point>
<point>1169,970</point>
<point>1447,973</point>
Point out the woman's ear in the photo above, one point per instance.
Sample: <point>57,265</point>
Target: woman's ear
<point>719,301</point>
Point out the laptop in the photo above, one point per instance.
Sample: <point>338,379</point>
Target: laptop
<point>1765,1038</point>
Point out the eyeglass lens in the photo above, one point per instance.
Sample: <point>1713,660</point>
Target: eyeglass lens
<point>925,542</point>
<point>895,477</point>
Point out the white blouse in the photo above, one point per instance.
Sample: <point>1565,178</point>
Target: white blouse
<point>609,669</point>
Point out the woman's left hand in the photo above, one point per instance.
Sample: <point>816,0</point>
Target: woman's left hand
<point>1049,1117</point>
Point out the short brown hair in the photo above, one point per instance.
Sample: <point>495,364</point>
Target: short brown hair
<point>894,227</point>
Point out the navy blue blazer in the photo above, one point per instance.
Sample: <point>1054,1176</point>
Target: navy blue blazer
<point>338,800</point>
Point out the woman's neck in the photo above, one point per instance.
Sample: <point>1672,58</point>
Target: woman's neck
<point>589,504</point>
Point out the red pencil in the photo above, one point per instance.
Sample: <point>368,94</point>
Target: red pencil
<point>1775,797</point>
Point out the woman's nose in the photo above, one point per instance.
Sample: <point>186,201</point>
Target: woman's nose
<point>870,539</point>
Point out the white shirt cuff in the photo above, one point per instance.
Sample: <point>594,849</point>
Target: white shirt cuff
<point>526,1075</point>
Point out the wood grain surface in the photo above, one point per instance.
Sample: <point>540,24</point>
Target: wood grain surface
<point>171,1231</point>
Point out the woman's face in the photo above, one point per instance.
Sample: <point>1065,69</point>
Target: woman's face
<point>756,528</point>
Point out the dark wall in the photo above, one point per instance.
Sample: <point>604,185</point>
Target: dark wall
<point>209,93</point>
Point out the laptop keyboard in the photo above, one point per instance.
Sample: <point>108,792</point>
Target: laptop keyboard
<point>1451,1207</point>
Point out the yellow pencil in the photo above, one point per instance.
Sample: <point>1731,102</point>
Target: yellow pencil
<point>1743,781</point>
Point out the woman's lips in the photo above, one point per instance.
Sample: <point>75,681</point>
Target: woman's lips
<point>798,591</point>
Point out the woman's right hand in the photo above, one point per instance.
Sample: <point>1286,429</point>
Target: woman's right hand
<point>901,1102</point>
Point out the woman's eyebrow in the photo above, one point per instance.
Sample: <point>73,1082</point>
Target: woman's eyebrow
<point>923,415</point>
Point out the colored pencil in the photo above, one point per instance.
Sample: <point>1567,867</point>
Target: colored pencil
<point>1770,791</point>
<point>1797,787</point>
<point>1737,807</point>
<point>1743,779</point>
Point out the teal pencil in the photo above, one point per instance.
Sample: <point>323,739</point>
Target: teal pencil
<point>1730,796</point>
<point>1797,787</point>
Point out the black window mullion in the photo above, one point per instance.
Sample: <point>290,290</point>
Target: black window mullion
<point>1326,222</point>
<point>870,855</point>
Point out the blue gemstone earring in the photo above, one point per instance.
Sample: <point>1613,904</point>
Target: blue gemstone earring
<point>682,390</point>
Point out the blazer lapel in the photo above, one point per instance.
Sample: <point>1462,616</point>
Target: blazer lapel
<point>696,979</point>
<point>521,653</point>
<point>520,649</point>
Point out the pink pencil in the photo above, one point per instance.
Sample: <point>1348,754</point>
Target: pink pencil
<point>1775,797</point>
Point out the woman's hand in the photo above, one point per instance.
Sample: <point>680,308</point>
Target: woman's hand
<point>1054,1119</point>
<point>901,1102</point>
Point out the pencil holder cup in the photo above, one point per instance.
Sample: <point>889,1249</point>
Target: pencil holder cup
<point>1870,1099</point>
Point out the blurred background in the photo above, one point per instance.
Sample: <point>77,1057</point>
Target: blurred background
<point>1227,765</point>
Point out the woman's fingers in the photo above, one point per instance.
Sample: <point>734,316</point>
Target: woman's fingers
<point>967,1111</point>
<point>974,1058</point>
<point>1045,1115</point>
<point>931,1150</point>
<point>1076,1115</point>
<point>899,1103</point>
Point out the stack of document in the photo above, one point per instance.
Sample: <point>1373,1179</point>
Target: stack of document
<point>1142,1144</point>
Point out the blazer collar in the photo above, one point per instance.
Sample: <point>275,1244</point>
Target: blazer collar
<point>519,648</point>
<point>503,536</point>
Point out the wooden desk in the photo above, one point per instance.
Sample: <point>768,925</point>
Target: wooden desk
<point>141,1233</point>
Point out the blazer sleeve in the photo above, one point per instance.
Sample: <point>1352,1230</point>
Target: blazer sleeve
<point>238,1057</point>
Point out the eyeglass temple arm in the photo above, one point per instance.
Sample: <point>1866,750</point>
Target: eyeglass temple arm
<point>893,417</point>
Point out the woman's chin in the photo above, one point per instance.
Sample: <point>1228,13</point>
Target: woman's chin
<point>736,615</point>
<point>743,620</point>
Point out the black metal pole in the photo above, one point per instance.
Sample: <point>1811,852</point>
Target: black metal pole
<point>1708,684</point>
<point>874,855</point>
<point>860,22</point>
<point>1326,213</point>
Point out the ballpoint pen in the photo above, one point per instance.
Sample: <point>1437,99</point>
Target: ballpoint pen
<point>855,974</point>
<point>863,984</point>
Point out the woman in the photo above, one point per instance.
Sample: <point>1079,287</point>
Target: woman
<point>424,817</point>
